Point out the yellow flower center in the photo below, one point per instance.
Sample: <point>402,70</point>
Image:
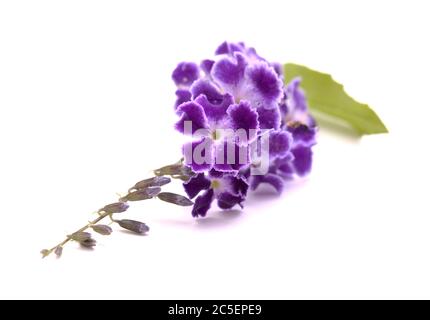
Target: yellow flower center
<point>215,184</point>
<point>216,134</point>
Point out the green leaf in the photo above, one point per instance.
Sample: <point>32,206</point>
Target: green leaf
<point>328,97</point>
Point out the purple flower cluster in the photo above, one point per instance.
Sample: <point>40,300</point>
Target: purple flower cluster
<point>240,91</point>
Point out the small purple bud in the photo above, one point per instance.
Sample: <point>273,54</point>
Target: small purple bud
<point>102,229</point>
<point>152,182</point>
<point>143,183</point>
<point>153,191</point>
<point>175,199</point>
<point>177,171</point>
<point>58,251</point>
<point>160,181</point>
<point>80,236</point>
<point>143,194</point>
<point>116,207</point>
<point>132,225</point>
<point>88,243</point>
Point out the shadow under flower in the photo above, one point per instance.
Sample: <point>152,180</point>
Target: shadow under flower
<point>263,193</point>
<point>132,233</point>
<point>218,218</point>
<point>82,248</point>
<point>266,193</point>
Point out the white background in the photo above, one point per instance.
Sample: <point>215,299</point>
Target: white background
<point>86,111</point>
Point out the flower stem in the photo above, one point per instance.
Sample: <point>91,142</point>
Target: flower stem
<point>89,224</point>
<point>143,190</point>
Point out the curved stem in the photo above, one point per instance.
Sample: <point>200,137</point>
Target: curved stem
<point>89,224</point>
<point>176,171</point>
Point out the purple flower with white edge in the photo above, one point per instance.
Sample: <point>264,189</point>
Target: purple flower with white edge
<point>217,147</point>
<point>226,188</point>
<point>290,160</point>
<point>238,71</point>
<point>240,90</point>
<point>280,142</point>
<point>256,82</point>
<point>182,95</point>
<point>253,80</point>
<point>230,48</point>
<point>185,74</point>
<point>300,125</point>
<point>247,129</point>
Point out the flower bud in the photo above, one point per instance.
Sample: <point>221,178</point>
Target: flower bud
<point>88,243</point>
<point>58,251</point>
<point>177,171</point>
<point>142,194</point>
<point>116,207</point>
<point>132,225</point>
<point>160,181</point>
<point>102,229</point>
<point>152,182</point>
<point>80,236</point>
<point>175,199</point>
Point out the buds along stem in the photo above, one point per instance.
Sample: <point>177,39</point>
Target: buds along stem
<point>143,190</point>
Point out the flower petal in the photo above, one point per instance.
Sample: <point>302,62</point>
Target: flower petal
<point>296,98</point>
<point>193,112</point>
<point>264,86</point>
<point>229,48</point>
<point>215,112</point>
<point>230,182</point>
<point>242,116</point>
<point>227,200</point>
<point>240,185</point>
<point>206,87</point>
<point>294,105</point>
<point>196,184</point>
<point>283,166</point>
<point>185,73</point>
<point>237,185</point>
<point>182,95</point>
<point>206,65</point>
<point>302,160</point>
<point>279,143</point>
<point>269,118</point>
<point>229,72</point>
<point>199,155</point>
<point>278,68</point>
<point>270,178</point>
<point>303,134</point>
<point>213,174</point>
<point>229,157</point>
<point>202,204</point>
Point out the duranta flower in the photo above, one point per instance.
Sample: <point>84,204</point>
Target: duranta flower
<point>246,128</point>
<point>239,90</point>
